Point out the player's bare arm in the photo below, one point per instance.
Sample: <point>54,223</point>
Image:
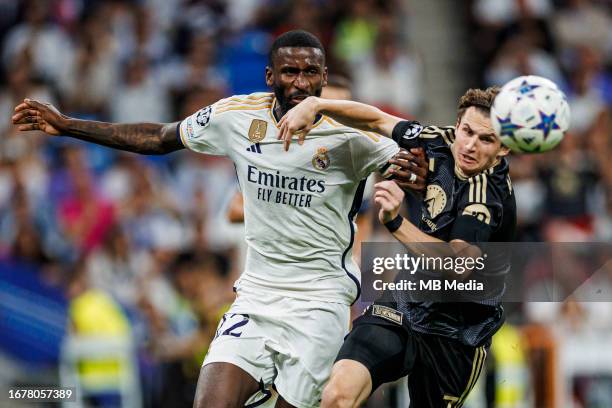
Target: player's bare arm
<point>390,198</point>
<point>411,172</point>
<point>299,120</point>
<point>144,138</point>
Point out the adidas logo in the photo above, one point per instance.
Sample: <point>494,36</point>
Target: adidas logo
<point>254,148</point>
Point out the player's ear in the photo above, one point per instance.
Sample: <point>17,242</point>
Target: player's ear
<point>503,151</point>
<point>269,76</point>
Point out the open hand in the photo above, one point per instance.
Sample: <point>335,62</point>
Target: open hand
<point>34,115</point>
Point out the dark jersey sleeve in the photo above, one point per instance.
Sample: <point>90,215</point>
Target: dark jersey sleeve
<point>479,210</point>
<point>409,134</point>
<point>406,134</point>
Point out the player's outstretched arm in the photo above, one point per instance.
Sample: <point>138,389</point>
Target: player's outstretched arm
<point>144,138</point>
<point>299,120</point>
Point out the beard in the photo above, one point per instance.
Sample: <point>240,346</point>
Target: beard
<point>285,101</point>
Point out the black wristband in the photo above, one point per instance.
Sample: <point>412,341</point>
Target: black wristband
<point>394,224</point>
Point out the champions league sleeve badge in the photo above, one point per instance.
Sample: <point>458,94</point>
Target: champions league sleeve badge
<point>321,159</point>
<point>413,130</point>
<point>203,116</point>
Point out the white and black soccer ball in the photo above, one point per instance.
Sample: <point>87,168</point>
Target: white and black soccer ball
<point>530,114</point>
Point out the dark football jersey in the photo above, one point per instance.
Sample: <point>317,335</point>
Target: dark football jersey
<point>476,209</point>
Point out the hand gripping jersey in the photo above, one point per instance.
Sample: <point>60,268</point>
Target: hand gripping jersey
<point>476,209</point>
<point>299,205</point>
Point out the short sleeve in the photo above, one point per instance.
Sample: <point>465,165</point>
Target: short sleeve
<point>479,210</point>
<point>203,132</point>
<point>370,152</point>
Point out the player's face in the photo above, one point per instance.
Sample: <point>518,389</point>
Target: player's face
<point>297,73</point>
<point>476,146</point>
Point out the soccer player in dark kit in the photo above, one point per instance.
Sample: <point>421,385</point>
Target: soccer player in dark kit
<point>469,200</point>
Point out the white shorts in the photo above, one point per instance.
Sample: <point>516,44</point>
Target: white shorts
<point>288,342</point>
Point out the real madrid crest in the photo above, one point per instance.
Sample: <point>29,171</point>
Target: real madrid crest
<point>435,199</point>
<point>257,131</point>
<point>321,159</point>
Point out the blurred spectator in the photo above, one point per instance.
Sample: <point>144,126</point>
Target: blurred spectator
<point>569,182</point>
<point>94,316</point>
<point>116,268</point>
<point>196,72</point>
<point>356,33</point>
<point>89,82</point>
<point>584,22</point>
<point>84,215</point>
<point>390,77</point>
<point>148,39</point>
<point>49,47</point>
<point>586,99</point>
<point>304,15</point>
<point>140,98</point>
<point>498,13</point>
<point>522,54</point>
<point>530,196</point>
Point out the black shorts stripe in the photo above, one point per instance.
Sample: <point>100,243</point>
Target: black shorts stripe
<point>479,358</point>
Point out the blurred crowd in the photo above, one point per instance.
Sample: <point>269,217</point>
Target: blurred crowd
<point>139,246</point>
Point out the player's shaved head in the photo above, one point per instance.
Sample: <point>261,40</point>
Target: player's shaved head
<point>295,38</point>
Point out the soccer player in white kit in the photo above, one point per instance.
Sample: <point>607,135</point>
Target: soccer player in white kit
<point>292,306</point>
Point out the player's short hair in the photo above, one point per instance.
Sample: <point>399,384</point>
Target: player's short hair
<point>295,38</point>
<point>481,99</point>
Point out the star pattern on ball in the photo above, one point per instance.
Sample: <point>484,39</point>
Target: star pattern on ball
<point>547,123</point>
<point>526,88</point>
<point>507,127</point>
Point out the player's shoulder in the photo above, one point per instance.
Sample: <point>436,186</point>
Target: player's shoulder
<point>411,133</point>
<point>329,124</point>
<point>444,134</point>
<point>242,103</point>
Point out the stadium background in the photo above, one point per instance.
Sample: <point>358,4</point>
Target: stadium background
<point>114,268</point>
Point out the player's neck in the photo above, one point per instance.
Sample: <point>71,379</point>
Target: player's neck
<point>278,111</point>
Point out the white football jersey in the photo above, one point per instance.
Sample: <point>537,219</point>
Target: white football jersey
<point>298,205</point>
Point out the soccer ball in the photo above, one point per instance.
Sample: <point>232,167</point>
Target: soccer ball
<point>530,114</point>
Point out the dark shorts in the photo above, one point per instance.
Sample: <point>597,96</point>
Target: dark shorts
<point>441,371</point>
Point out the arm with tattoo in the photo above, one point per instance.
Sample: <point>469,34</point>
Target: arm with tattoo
<point>144,138</point>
